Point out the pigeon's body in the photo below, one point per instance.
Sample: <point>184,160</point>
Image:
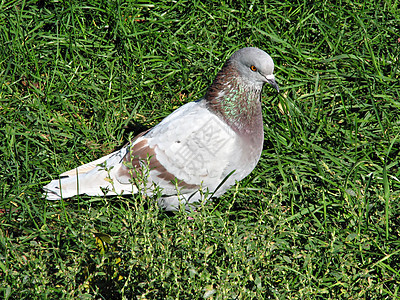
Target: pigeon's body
<point>197,147</point>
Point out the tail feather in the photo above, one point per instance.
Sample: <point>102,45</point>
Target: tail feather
<point>89,166</point>
<point>89,179</point>
<point>66,187</point>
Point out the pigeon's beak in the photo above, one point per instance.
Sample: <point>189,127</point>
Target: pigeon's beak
<point>272,82</point>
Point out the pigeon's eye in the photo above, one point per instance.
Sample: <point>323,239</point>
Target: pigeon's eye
<point>253,68</point>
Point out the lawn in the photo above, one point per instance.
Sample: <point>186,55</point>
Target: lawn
<point>319,217</point>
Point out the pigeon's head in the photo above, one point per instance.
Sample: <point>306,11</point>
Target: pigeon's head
<point>254,66</point>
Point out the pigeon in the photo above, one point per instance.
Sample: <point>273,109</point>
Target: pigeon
<point>196,153</point>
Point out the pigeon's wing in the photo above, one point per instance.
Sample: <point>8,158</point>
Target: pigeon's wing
<point>190,148</point>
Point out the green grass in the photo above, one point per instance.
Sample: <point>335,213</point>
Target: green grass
<point>319,218</point>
